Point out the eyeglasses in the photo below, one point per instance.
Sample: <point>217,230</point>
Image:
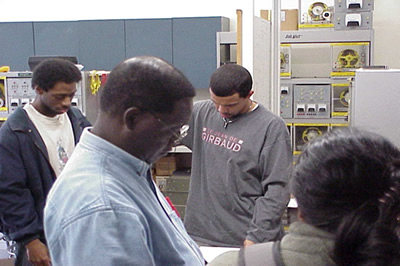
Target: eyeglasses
<point>183,131</point>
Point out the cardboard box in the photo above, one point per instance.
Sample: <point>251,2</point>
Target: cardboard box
<point>265,14</point>
<point>289,18</point>
<point>172,162</point>
<point>166,165</point>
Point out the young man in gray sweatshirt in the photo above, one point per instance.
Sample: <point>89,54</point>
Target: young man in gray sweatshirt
<point>240,163</point>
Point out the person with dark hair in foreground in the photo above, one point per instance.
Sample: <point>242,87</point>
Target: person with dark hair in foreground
<point>35,143</point>
<point>347,186</point>
<point>105,209</point>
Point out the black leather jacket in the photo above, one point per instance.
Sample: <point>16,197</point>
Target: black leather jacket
<point>26,175</point>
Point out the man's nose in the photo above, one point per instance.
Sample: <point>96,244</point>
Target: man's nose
<point>222,109</point>
<point>67,101</point>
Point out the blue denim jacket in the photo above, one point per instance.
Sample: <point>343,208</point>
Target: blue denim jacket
<point>104,209</point>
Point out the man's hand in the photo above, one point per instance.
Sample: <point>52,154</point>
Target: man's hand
<point>247,243</point>
<point>38,254</point>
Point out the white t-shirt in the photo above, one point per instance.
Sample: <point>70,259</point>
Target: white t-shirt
<point>57,135</point>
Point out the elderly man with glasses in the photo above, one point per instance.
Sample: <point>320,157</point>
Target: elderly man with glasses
<point>105,208</point>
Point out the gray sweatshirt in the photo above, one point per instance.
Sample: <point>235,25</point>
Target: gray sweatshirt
<point>238,188</point>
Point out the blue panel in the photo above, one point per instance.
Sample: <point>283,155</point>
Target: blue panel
<point>149,37</point>
<point>194,47</point>
<point>102,43</point>
<point>16,45</point>
<point>57,38</point>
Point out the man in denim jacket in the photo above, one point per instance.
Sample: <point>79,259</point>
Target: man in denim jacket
<point>105,208</point>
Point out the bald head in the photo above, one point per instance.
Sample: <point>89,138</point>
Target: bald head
<point>146,82</point>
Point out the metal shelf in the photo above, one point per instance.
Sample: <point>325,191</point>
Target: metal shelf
<point>326,35</point>
<point>316,120</point>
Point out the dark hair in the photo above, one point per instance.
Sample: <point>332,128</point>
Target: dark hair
<point>146,82</point>
<point>49,72</point>
<point>347,183</point>
<point>230,79</point>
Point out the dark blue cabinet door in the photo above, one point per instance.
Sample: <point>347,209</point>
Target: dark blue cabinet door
<point>16,45</point>
<point>194,46</point>
<point>149,37</point>
<point>188,43</point>
<point>101,43</point>
<point>57,38</point>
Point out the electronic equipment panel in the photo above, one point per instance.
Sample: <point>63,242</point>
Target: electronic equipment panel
<point>316,14</point>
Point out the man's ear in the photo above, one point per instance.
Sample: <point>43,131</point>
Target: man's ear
<point>130,117</point>
<point>39,90</point>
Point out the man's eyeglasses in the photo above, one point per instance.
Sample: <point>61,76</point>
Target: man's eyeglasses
<point>183,131</point>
